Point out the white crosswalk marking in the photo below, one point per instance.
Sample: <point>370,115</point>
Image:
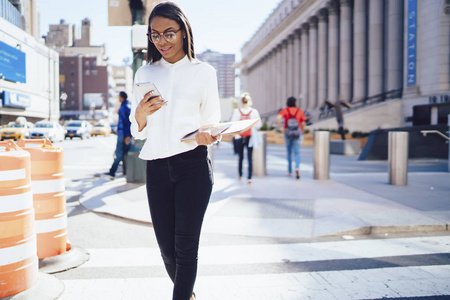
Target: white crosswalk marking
<point>355,283</point>
<point>254,254</point>
<point>362,284</point>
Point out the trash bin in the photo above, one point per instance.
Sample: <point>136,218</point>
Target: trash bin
<point>136,167</point>
<point>260,156</point>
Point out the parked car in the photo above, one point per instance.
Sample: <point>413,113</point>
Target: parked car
<point>101,129</point>
<point>16,131</point>
<point>114,128</point>
<point>81,129</point>
<point>48,130</point>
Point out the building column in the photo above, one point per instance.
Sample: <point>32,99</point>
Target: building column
<point>296,63</point>
<point>273,80</point>
<point>376,45</point>
<point>322,63</point>
<point>279,77</point>
<point>333,51</point>
<point>304,67</point>
<point>290,66</point>
<point>360,35</point>
<point>267,87</point>
<point>312,63</point>
<point>284,92</point>
<point>345,61</point>
<point>395,45</point>
<point>257,91</point>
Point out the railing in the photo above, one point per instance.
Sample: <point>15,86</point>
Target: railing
<point>327,110</point>
<point>10,13</point>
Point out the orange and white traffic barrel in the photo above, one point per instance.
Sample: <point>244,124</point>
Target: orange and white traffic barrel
<point>49,196</point>
<point>18,260</point>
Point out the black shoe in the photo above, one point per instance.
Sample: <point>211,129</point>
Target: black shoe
<point>297,174</point>
<point>108,176</point>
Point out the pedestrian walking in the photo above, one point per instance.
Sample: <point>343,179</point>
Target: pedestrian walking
<point>123,137</point>
<point>249,139</point>
<point>293,128</point>
<point>179,174</point>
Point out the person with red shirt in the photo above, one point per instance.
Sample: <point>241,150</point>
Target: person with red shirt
<point>292,145</point>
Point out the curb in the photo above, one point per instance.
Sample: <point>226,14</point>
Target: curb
<point>73,258</point>
<point>383,230</point>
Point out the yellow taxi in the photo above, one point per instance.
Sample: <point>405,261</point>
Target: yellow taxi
<point>101,129</point>
<point>16,131</point>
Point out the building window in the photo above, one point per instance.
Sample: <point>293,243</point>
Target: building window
<point>72,73</point>
<point>61,86</point>
<point>72,63</point>
<point>95,72</point>
<point>94,63</point>
<point>88,72</point>
<point>87,63</point>
<point>72,84</point>
<point>72,94</point>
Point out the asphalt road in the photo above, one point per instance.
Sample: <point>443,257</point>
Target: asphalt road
<point>125,262</point>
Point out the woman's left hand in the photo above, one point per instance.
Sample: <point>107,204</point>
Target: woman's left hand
<point>205,138</point>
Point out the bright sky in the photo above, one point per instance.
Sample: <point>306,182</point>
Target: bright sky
<point>219,25</point>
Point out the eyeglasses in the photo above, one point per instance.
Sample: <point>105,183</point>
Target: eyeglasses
<point>169,36</point>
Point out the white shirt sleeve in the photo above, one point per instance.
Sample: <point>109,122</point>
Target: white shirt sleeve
<point>236,115</point>
<point>139,135</point>
<point>210,104</point>
<point>255,115</point>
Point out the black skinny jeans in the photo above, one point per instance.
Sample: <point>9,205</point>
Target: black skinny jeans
<point>241,143</point>
<point>178,190</point>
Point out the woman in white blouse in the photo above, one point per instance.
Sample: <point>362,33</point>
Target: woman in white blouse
<point>179,174</point>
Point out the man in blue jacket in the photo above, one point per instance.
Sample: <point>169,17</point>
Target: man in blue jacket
<point>123,135</point>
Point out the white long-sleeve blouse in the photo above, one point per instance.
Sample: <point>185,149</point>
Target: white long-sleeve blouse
<point>190,89</point>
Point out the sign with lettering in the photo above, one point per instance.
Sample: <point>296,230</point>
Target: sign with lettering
<point>412,43</point>
<point>12,64</point>
<point>12,99</point>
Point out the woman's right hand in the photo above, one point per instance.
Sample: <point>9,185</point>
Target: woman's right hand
<point>146,108</point>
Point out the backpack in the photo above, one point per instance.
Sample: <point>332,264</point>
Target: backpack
<point>292,128</point>
<point>246,117</point>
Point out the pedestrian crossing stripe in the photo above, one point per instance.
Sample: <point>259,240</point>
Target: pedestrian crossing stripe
<point>361,284</point>
<point>276,253</point>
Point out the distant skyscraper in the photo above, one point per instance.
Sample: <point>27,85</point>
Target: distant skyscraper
<point>223,63</point>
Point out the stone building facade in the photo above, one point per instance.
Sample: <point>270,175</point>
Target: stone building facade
<point>375,54</point>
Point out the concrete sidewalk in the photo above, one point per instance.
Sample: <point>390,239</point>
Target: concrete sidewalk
<point>356,200</point>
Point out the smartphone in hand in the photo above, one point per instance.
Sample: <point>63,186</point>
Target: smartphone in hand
<point>146,87</point>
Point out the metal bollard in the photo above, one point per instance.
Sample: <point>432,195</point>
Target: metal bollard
<point>322,155</point>
<point>398,157</point>
<point>259,156</point>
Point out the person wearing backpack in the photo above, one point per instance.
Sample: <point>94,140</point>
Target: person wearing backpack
<point>248,139</point>
<point>293,127</point>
